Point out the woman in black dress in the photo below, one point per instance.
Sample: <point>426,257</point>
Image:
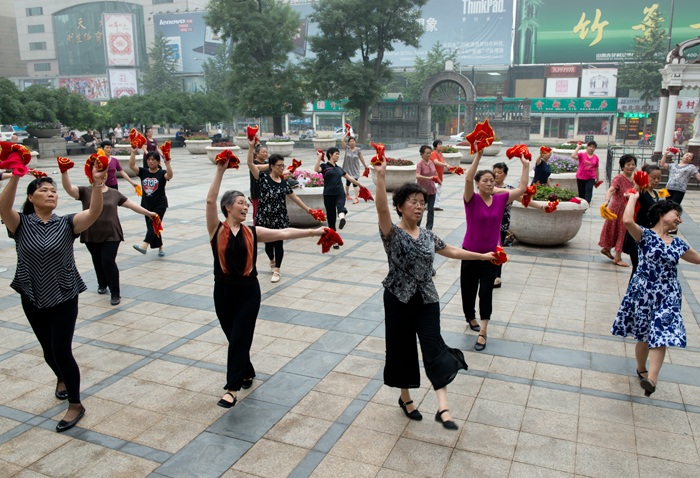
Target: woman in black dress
<point>645,201</point>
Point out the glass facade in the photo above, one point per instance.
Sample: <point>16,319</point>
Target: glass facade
<point>78,31</point>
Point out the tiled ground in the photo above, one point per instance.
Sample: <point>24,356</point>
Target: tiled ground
<point>552,395</point>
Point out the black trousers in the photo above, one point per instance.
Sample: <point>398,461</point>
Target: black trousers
<point>430,206</point>
<point>54,328</point>
<point>585,188</point>
<point>104,258</point>
<point>151,238</point>
<point>333,203</point>
<point>237,309</point>
<point>402,322</point>
<point>676,196</point>
<point>477,276</point>
<point>275,252</point>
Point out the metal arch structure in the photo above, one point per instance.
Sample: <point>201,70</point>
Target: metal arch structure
<point>425,102</point>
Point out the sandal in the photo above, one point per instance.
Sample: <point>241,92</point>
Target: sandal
<point>355,201</point>
<point>639,374</point>
<point>226,404</point>
<point>607,254</point>
<point>619,262</point>
<point>275,277</point>
<point>648,386</point>
<point>479,347</point>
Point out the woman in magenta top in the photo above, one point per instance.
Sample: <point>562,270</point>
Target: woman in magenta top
<point>587,173</point>
<point>484,213</point>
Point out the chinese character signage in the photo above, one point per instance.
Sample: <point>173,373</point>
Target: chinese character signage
<point>600,82</point>
<point>574,105</point>
<point>95,88</point>
<point>191,41</point>
<point>636,105</point>
<point>687,105</point>
<point>562,31</point>
<point>119,39</point>
<point>325,105</point>
<point>122,82</point>
<point>562,87</point>
<point>563,71</point>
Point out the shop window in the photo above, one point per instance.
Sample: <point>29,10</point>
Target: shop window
<point>36,28</point>
<point>535,124</point>
<point>42,66</point>
<point>562,128</point>
<point>39,45</point>
<point>599,125</point>
<point>32,12</point>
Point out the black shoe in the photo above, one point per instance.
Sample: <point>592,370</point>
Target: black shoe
<point>101,290</point>
<point>62,394</point>
<point>224,404</point>
<point>247,384</point>
<point>497,286</point>
<point>414,415</point>
<point>475,328</point>
<point>449,424</point>
<point>437,209</point>
<point>64,425</point>
<point>115,300</point>
<point>648,387</point>
<point>342,223</point>
<point>479,346</point>
<point>336,246</point>
<point>639,374</point>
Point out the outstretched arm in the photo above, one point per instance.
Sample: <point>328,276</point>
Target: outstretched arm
<point>381,202</point>
<point>126,176</point>
<point>460,254</point>
<point>272,235</point>
<point>129,204</point>
<point>212,212</point>
<point>352,180</point>
<point>692,256</point>
<point>469,177</point>
<point>297,200</point>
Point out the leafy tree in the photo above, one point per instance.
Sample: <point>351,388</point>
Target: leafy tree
<point>263,82</point>
<point>12,110</point>
<point>425,68</point>
<point>354,36</point>
<point>217,70</point>
<point>641,73</point>
<point>42,103</point>
<point>159,75</point>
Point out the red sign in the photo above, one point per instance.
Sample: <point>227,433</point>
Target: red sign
<point>562,71</point>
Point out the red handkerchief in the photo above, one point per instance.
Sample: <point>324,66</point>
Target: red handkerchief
<point>641,179</point>
<point>499,257</point>
<point>331,237</point>
<point>99,158</point>
<point>227,156</point>
<point>251,132</point>
<point>157,225</point>
<point>294,166</point>
<point>365,194</point>
<point>317,214</point>
<point>482,137</point>
<point>137,139</point>
<point>366,173</point>
<point>551,206</point>
<point>36,174</point>
<point>456,170</point>
<point>64,164</point>
<point>380,157</point>
<point>166,150</point>
<point>529,192</point>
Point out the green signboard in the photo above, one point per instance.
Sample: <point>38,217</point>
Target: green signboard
<point>571,31</point>
<point>327,105</point>
<point>574,105</point>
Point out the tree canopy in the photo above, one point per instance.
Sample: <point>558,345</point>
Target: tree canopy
<point>159,75</point>
<point>353,37</point>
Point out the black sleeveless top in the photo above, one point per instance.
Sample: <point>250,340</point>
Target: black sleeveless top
<point>236,252</point>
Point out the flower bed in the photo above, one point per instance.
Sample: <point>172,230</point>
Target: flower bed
<point>562,164</point>
<point>44,129</point>
<point>197,144</point>
<point>307,179</point>
<point>279,139</point>
<point>123,154</point>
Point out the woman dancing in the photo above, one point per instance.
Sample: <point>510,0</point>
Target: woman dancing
<point>46,276</point>
<point>613,233</point>
<point>645,201</point>
<point>438,160</point>
<point>236,287</point>
<point>272,205</point>
<point>351,165</point>
<point>651,309</point>
<point>484,211</point>
<point>259,159</point>
<point>587,173</point>
<point>427,178</point>
<point>679,175</point>
<point>411,302</point>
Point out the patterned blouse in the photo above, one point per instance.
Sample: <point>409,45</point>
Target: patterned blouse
<point>411,264</point>
<point>505,223</point>
<point>272,206</point>
<point>679,175</point>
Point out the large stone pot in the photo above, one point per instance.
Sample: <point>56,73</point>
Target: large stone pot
<point>324,143</point>
<point>43,133</point>
<point>34,162</point>
<point>124,163</point>
<point>533,226</point>
<point>312,197</point>
<point>396,176</point>
<point>284,148</point>
<point>241,141</point>
<point>564,152</point>
<point>564,180</point>
<point>494,149</point>
<point>212,151</point>
<point>197,146</point>
<point>453,159</point>
<point>466,152</point>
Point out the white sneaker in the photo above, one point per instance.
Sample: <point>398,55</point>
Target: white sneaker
<point>275,277</point>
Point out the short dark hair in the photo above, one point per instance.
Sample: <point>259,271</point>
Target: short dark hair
<point>274,159</point>
<point>228,199</point>
<point>481,172</point>
<point>423,148</point>
<point>626,158</point>
<point>106,143</point>
<point>28,207</point>
<point>502,166</point>
<point>650,168</point>
<point>331,152</point>
<point>592,143</point>
<point>403,192</point>
<point>153,154</point>
<point>661,208</point>
<point>436,142</point>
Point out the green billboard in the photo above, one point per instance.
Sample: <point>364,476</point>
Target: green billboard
<point>571,31</point>
<point>574,105</point>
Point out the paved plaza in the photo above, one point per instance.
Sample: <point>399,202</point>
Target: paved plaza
<point>552,395</point>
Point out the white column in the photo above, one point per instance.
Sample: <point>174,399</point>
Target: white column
<point>661,122</point>
<point>671,116</point>
<point>286,123</point>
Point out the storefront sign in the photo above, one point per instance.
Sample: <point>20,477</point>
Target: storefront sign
<point>562,87</point>
<point>633,115</point>
<point>636,105</point>
<point>563,71</point>
<point>119,39</point>
<point>687,105</point>
<point>599,82</point>
<point>326,105</point>
<point>91,88</point>
<point>574,105</point>
<point>122,82</point>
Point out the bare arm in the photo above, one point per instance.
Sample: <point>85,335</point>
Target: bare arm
<point>9,216</point>
<point>381,202</point>
<point>87,218</point>
<point>297,200</point>
<point>168,171</point>
<point>574,155</point>
<point>129,204</point>
<point>522,186</point>
<point>352,180</point>
<point>272,235</point>
<point>460,254</point>
<point>342,142</point>
<point>608,194</point>
<point>251,165</point>
<point>70,189</point>
<point>663,164</point>
<point>126,176</point>
<point>469,177</point>
<point>212,210</point>
<point>692,256</point>
<point>628,218</point>
<point>317,166</point>
<point>132,162</point>
<point>362,160</point>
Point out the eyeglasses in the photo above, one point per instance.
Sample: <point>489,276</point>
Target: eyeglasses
<point>415,203</point>
<point>279,165</point>
<point>244,204</point>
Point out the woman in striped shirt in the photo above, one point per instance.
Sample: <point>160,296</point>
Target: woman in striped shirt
<point>46,276</point>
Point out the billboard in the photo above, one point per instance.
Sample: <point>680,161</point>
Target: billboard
<point>562,87</point>
<point>574,105</point>
<point>123,82</point>
<point>558,31</point>
<point>119,39</point>
<point>95,88</point>
<point>599,82</point>
<point>190,40</point>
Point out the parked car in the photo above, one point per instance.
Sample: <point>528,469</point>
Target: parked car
<point>457,138</point>
<point>6,132</point>
<point>339,133</point>
<point>19,131</point>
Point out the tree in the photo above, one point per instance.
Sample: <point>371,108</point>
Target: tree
<point>641,73</point>
<point>427,67</point>
<point>354,36</point>
<point>217,71</point>
<point>12,110</point>
<point>263,82</point>
<point>42,103</point>
<point>159,75</point>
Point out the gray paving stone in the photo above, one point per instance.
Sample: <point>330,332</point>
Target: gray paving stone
<point>357,326</point>
<point>208,455</point>
<point>277,314</point>
<point>559,356</point>
<point>337,342</point>
<point>313,363</point>
<point>312,319</point>
<point>249,420</point>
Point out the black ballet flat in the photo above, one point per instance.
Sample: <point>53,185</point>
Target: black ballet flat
<point>475,328</point>
<point>414,415</point>
<point>224,404</point>
<point>648,387</point>
<point>64,425</point>
<point>479,347</point>
<point>449,424</point>
<point>639,374</point>
<point>247,384</point>
<point>62,394</point>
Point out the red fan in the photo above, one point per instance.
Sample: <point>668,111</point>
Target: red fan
<point>457,170</point>
<point>551,206</point>
<point>529,192</point>
<point>99,158</point>
<point>482,137</point>
<point>598,183</point>
<point>166,151</point>
<point>641,179</point>
<point>137,139</point>
<point>157,225</point>
<point>64,164</point>
<point>37,174</point>
<point>366,173</point>
<point>380,157</point>
<point>499,257</point>
<point>227,156</point>
<point>365,194</point>
<point>317,214</point>
<point>327,240</point>
<point>251,132</point>
<point>545,150</point>
<point>294,166</point>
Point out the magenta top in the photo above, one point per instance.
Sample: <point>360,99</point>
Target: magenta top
<point>586,166</point>
<point>484,223</point>
<point>112,169</point>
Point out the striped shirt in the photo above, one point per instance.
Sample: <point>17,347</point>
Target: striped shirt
<point>46,271</point>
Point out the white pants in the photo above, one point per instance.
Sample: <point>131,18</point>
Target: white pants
<point>438,189</point>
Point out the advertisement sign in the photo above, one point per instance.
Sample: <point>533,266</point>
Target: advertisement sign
<point>574,105</point>
<point>596,31</point>
<point>636,105</point>
<point>687,105</point>
<point>562,71</point>
<point>191,41</point>
<point>600,82</point>
<point>562,87</point>
<point>91,88</point>
<point>122,82</point>
<point>325,105</point>
<point>119,39</point>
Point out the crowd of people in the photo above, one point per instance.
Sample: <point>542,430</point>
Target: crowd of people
<point>650,310</point>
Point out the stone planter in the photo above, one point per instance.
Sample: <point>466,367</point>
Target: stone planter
<point>466,152</point>
<point>453,159</point>
<point>43,133</point>
<point>324,143</point>
<point>124,163</point>
<point>241,141</point>
<point>564,180</point>
<point>34,162</point>
<point>563,152</point>
<point>494,149</point>
<point>312,197</point>
<point>212,151</point>
<point>283,148</point>
<point>197,146</point>
<point>533,226</point>
<point>396,176</point>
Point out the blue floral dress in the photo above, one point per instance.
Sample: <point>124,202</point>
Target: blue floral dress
<point>651,309</point>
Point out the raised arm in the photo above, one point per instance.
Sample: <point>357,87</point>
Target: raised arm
<point>87,218</point>
<point>132,162</point>
<point>317,166</point>
<point>168,171</point>
<point>381,201</point>
<point>663,164</point>
<point>212,212</point>
<point>469,177</point>
<point>70,189</point>
<point>297,200</point>
<point>342,142</point>
<point>9,216</point>
<point>522,186</point>
<point>251,165</point>
<point>628,217</point>
<point>574,155</point>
